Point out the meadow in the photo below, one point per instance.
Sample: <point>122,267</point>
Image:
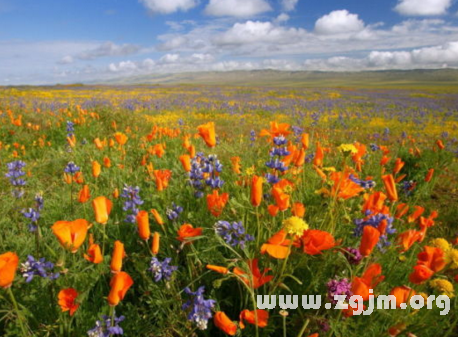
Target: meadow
<point>165,210</point>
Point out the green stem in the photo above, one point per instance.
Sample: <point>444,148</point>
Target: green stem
<point>18,313</point>
<point>284,325</point>
<point>304,327</point>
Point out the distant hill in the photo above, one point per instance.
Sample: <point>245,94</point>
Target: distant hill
<point>383,78</point>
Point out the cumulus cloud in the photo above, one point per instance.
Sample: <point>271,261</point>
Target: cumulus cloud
<point>422,7</point>
<point>66,60</point>
<point>338,22</point>
<point>289,5</point>
<point>108,49</point>
<point>168,6</point>
<point>237,8</point>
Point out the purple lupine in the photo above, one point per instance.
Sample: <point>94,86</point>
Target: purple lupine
<point>200,309</point>
<point>276,153</point>
<point>105,328</point>
<point>70,128</point>
<point>71,168</point>
<point>339,287</point>
<point>234,234</point>
<point>162,270</point>
<point>40,267</point>
<point>132,200</point>
<point>375,220</point>
<point>353,255</point>
<point>15,173</point>
<point>363,183</point>
<point>174,212</point>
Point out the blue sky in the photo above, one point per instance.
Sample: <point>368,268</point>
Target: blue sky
<point>51,41</point>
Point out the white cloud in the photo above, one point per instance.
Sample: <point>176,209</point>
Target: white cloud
<point>124,66</point>
<point>338,22</point>
<point>289,5</point>
<point>168,6</point>
<point>108,49</point>
<point>422,7</point>
<point>66,60</point>
<point>283,17</point>
<point>237,8</point>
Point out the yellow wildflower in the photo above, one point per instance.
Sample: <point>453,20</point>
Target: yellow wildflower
<point>295,225</point>
<point>443,286</point>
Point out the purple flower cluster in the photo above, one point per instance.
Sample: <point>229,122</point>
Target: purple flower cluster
<point>339,287</point>
<point>15,173</point>
<point>71,168</point>
<point>33,214</point>
<point>201,164</point>
<point>408,186</point>
<point>353,255</point>
<point>40,267</point>
<point>275,163</point>
<point>70,128</point>
<point>374,147</point>
<point>375,221</point>
<point>174,212</point>
<point>132,200</point>
<point>105,328</point>
<point>200,309</point>
<point>234,234</point>
<point>162,270</point>
<point>252,137</point>
<point>363,183</point>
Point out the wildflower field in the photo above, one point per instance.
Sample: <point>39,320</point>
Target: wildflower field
<point>165,211</point>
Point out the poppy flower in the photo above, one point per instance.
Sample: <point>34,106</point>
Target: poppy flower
<point>188,231</point>
<point>298,209</point>
<point>255,279</point>
<point>120,138</point>
<point>432,257</point>
<point>99,144</point>
<point>305,141</point>
<point>120,283</point>
<point>420,274</point>
<point>84,194</point>
<point>273,210</point>
<point>66,300</point>
<point>414,216</point>
<point>143,225</point>
<point>236,168</point>
<point>218,269</point>
<point>256,190</point>
<point>250,317</point>
<point>155,243</point>
<point>102,209</point>
<point>106,162</point>
<point>71,234</point>
<point>94,254</point>
<point>401,210</point>
<point>408,238</point>
<point>96,169</point>
<point>185,160</point>
<point>162,179</point>
<point>440,144</point>
<point>315,241</point>
<point>319,155</point>
<point>281,198</point>
<point>207,132</point>
<point>157,217</point>
<point>276,130</point>
<point>116,193</point>
<point>369,280</point>
<point>277,246</point>
<point>8,266</point>
<point>375,203</point>
<point>390,187</point>
<point>402,294</point>
<point>370,238</point>
<point>116,258</point>
<point>398,165</point>
<point>224,323</point>
<point>343,186</point>
<point>216,202</point>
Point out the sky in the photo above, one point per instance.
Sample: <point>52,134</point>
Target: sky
<point>69,41</point>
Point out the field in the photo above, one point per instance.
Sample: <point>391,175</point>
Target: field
<point>165,210</point>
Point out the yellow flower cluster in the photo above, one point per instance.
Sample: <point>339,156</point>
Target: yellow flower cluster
<point>295,225</point>
<point>443,286</point>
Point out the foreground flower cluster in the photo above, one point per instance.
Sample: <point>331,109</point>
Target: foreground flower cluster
<point>131,227</point>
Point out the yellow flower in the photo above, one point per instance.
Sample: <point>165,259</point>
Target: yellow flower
<point>452,257</point>
<point>440,243</point>
<point>295,225</point>
<point>443,286</point>
<point>250,171</point>
<point>329,169</point>
<point>346,149</point>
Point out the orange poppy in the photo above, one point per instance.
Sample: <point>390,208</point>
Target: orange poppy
<point>319,155</point>
<point>143,225</point>
<point>102,209</point>
<point>207,132</point>
<point>116,193</point>
<point>343,186</point>
<point>250,317</point>
<point>273,210</point>
<point>370,238</point>
<point>305,141</point>
<point>116,258</point>
<point>255,279</point>
<point>408,238</point>
<point>440,144</point>
<point>94,254</point>
<point>96,169</point>
<point>369,280</point>
<point>84,194</point>
<point>67,299</point>
<point>99,144</point>
<point>276,130</point>
<point>224,323</point>
<point>398,165</point>
<point>402,294</point>
<point>375,203</point>
<point>157,217</point>
<point>188,231</point>
<point>121,138</point>
<point>298,209</point>
<point>420,274</point>
<point>71,234</point>
<point>155,244</point>
<point>120,283</point>
<point>256,190</point>
<point>281,198</point>
<point>390,187</point>
<point>106,162</point>
<point>216,202</point>
<point>414,216</point>
<point>218,269</point>
<point>277,246</point>
<point>315,241</point>
<point>429,175</point>
<point>401,210</point>
<point>8,266</point>
<point>185,160</point>
<point>162,179</point>
<point>236,165</point>
<point>432,257</point>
